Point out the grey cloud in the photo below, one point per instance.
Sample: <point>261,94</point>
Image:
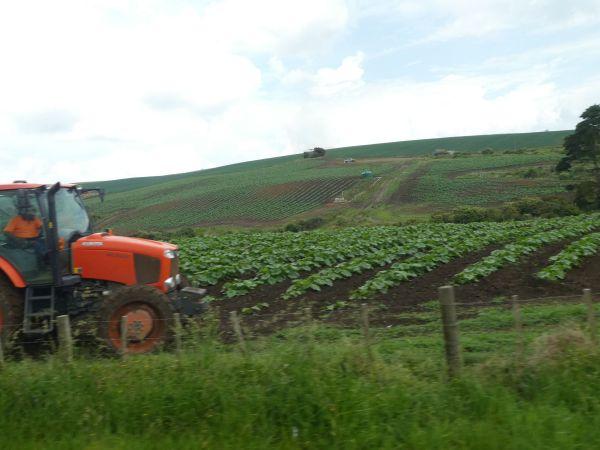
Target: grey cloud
<point>49,121</point>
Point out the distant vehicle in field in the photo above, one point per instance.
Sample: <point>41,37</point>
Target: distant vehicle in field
<point>316,152</point>
<point>348,160</point>
<point>443,152</point>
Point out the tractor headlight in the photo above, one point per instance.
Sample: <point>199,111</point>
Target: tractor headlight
<point>170,283</point>
<point>171,254</point>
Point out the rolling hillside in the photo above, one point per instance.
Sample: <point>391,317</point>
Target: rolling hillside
<point>276,190</point>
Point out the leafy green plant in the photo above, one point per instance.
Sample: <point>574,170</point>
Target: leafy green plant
<point>256,308</point>
<point>570,257</point>
<point>527,244</point>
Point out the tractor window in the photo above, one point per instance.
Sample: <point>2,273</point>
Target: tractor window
<point>7,208</point>
<point>71,216</point>
<point>22,240</point>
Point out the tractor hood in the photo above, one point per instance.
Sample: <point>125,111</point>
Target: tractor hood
<point>125,260</point>
<point>108,242</point>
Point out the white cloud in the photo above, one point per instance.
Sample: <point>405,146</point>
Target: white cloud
<point>472,19</point>
<point>326,81</point>
<point>52,121</point>
<point>347,76</point>
<point>450,106</point>
<point>119,88</point>
<point>140,88</point>
<point>451,19</point>
<point>280,27</point>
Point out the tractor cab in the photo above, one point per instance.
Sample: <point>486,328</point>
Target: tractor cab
<point>51,263</point>
<point>35,243</point>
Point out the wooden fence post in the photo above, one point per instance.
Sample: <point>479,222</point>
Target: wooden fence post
<point>591,314</point>
<point>177,320</point>
<point>364,315</point>
<point>65,340</point>
<point>237,328</point>
<point>518,318</point>
<point>124,338</point>
<point>450,326</point>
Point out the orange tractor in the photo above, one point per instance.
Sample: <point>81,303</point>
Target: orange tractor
<point>51,263</point>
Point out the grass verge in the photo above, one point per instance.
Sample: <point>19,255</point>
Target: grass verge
<point>312,387</point>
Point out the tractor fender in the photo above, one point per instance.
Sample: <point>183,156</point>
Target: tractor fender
<point>11,273</point>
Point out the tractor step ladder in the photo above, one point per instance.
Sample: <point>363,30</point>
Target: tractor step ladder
<point>39,310</point>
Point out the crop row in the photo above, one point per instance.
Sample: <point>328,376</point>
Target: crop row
<point>313,260</point>
<point>384,248</point>
<point>425,240</point>
<point>209,261</point>
<point>571,257</point>
<point>525,245</point>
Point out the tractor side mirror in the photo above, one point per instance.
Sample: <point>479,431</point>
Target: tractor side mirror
<point>101,192</point>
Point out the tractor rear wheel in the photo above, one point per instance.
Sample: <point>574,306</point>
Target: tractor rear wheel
<point>11,310</point>
<point>149,319</point>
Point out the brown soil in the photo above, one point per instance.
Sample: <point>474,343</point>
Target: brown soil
<point>520,279</point>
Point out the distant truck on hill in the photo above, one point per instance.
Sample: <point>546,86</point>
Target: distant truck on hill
<point>316,152</point>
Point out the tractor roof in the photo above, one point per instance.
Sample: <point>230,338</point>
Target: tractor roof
<point>13,186</point>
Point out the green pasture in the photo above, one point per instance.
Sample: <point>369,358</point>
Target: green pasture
<point>321,387</point>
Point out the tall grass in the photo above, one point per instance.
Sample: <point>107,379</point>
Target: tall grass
<point>300,391</point>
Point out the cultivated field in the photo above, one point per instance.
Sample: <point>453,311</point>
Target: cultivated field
<point>273,191</point>
<point>270,277</point>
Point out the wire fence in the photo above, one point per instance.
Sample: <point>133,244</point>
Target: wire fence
<point>307,311</point>
<point>451,323</point>
<point>239,327</point>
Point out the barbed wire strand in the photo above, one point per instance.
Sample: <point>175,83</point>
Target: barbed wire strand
<point>318,312</point>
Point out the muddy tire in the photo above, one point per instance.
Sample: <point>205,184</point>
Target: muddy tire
<point>149,316</point>
<point>11,310</point>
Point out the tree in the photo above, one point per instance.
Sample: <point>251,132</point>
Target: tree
<point>583,146</point>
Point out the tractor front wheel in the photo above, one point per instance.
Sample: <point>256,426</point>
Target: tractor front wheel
<point>149,319</point>
<point>11,310</point>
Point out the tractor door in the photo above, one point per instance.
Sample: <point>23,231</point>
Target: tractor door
<point>67,221</point>
<point>72,222</point>
<point>22,237</point>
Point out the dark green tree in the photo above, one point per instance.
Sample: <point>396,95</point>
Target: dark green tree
<point>583,146</point>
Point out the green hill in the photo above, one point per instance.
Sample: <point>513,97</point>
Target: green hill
<point>277,189</point>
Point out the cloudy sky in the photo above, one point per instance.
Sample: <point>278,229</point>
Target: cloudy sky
<point>105,89</point>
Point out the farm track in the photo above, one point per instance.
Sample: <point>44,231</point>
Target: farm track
<point>381,190</point>
<point>405,192</point>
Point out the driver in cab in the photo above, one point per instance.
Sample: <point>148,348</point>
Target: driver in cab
<point>24,228</point>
